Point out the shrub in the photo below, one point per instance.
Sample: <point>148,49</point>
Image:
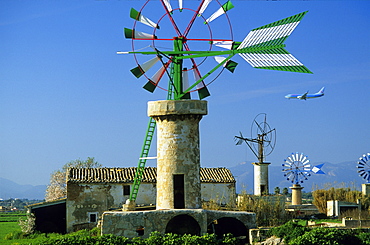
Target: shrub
<point>28,226</point>
<point>155,238</point>
<point>364,238</point>
<point>288,231</point>
<point>327,236</point>
<point>14,235</point>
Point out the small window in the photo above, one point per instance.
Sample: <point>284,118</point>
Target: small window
<point>126,190</point>
<point>93,217</point>
<point>140,231</point>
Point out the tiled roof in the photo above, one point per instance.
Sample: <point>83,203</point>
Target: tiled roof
<point>216,175</point>
<point>127,175</point>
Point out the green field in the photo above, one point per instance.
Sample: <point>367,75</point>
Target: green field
<point>9,224</point>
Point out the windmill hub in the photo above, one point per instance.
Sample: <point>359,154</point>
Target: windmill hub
<point>182,38</point>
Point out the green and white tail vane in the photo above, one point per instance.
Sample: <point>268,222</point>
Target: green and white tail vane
<point>266,39</point>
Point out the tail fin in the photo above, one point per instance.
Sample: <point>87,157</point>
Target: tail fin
<point>321,90</point>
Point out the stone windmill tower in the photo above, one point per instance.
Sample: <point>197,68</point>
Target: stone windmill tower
<point>178,156</point>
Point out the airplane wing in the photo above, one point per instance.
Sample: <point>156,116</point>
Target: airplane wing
<point>303,96</point>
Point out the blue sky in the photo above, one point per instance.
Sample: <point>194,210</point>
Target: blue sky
<point>65,94</point>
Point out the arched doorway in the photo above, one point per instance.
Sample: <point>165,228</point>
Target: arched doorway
<point>183,224</point>
<point>229,225</point>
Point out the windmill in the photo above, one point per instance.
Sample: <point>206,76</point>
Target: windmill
<point>363,166</point>
<point>167,36</point>
<point>296,169</point>
<point>261,143</point>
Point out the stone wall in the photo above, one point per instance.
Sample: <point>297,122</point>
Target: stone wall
<point>142,223</point>
<point>86,199</point>
<point>220,193</point>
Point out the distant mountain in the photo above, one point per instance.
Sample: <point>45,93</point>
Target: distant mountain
<point>10,189</point>
<point>335,175</point>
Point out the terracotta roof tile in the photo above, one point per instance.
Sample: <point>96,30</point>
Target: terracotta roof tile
<point>127,175</point>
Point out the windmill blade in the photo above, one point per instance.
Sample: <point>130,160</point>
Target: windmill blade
<point>295,156</point>
<point>289,160</point>
<point>226,44</point>
<point>300,157</point>
<point>167,4</point>
<point>365,158</point>
<point>229,65</point>
<point>239,139</point>
<point>306,162</point>
<point>180,5</point>
<point>259,126</point>
<point>224,8</point>
<point>185,79</point>
<point>265,125</point>
<point>204,6</point>
<point>202,88</point>
<point>132,34</point>
<point>141,69</point>
<point>152,84</point>
<point>136,15</point>
<point>367,178</point>
<point>267,53</point>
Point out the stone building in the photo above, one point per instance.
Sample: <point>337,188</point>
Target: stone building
<point>92,191</point>
<point>179,186</point>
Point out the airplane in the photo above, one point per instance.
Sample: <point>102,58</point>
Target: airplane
<point>306,95</point>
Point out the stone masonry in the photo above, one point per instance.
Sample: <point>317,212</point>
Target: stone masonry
<point>178,149</point>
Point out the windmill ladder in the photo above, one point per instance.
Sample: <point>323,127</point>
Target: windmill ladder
<point>146,147</point>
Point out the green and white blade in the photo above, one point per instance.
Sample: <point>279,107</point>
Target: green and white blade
<point>141,69</point>
<point>226,7</point>
<point>141,18</point>
<point>129,33</point>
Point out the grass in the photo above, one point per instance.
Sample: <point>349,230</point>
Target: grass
<point>12,217</point>
<point>328,221</point>
<point>9,224</point>
<point>319,221</point>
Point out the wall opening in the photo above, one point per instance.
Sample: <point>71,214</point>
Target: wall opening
<point>126,190</point>
<point>229,225</point>
<point>140,230</point>
<point>51,218</point>
<point>183,224</point>
<point>263,189</point>
<point>93,217</point>
<point>178,191</point>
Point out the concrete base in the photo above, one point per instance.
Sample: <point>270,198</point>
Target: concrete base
<point>261,178</point>
<point>365,189</point>
<point>178,221</point>
<point>296,194</point>
<point>129,205</point>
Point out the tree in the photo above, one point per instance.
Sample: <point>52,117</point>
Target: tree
<point>28,226</point>
<point>57,187</point>
<point>277,190</point>
<point>321,196</point>
<point>285,191</point>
